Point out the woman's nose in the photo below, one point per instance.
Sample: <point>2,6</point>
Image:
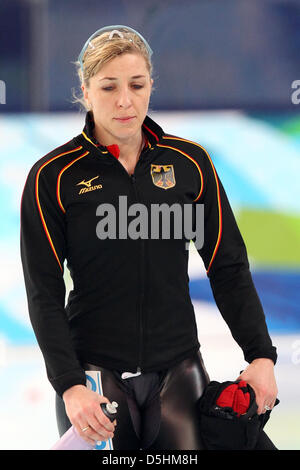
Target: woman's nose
<point>124,99</point>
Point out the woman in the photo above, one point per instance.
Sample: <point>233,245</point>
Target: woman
<point>129,314</point>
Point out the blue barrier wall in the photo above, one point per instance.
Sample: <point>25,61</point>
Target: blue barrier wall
<point>206,55</point>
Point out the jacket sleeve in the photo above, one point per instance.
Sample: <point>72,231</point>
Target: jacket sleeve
<point>43,250</point>
<point>225,258</point>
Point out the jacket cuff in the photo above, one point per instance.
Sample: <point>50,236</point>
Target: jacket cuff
<point>269,354</point>
<point>63,382</point>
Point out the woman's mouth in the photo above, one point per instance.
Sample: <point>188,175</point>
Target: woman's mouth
<point>125,119</point>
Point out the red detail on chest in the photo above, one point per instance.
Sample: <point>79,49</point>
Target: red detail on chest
<point>114,150</point>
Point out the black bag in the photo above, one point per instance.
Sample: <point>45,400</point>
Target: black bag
<point>222,428</point>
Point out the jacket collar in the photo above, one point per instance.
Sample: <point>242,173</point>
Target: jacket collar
<point>152,132</point>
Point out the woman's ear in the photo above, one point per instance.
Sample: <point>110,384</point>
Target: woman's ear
<point>86,96</point>
<point>151,85</point>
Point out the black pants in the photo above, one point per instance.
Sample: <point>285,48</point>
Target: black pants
<point>156,410</point>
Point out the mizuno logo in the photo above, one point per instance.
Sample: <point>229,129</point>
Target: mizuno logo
<point>88,185</point>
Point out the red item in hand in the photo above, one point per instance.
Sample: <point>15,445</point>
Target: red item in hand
<point>235,397</point>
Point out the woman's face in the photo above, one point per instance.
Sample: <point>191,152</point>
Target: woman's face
<point>121,89</point>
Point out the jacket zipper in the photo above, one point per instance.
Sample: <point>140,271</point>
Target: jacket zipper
<point>142,264</point>
<point>142,257</point>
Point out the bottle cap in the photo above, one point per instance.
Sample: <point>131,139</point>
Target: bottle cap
<point>112,407</point>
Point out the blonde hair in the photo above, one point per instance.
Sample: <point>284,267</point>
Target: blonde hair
<point>104,48</point>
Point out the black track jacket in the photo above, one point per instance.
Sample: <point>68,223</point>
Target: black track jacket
<point>130,306</point>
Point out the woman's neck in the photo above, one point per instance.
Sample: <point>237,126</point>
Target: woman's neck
<point>129,160</point>
<point>127,147</point>
<point>130,150</point>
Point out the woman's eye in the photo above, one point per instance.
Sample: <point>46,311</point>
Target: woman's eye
<point>109,88</point>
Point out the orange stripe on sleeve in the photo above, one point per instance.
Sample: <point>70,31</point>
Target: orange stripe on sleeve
<point>39,205</point>
<point>59,177</point>
<point>220,219</point>
<point>218,197</point>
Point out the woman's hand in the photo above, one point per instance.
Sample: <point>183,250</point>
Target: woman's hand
<point>260,375</point>
<point>84,412</point>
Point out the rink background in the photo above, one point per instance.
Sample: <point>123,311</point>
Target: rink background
<point>257,158</point>
<point>243,57</point>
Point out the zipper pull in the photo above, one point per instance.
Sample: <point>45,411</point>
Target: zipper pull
<point>128,375</point>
